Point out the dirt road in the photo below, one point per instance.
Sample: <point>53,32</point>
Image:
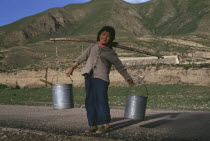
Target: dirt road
<point>158,125</point>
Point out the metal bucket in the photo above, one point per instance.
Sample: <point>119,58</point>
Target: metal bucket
<point>135,107</point>
<point>62,96</point>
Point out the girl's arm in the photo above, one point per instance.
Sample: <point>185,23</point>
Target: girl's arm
<point>83,57</point>
<point>121,69</point>
<point>70,70</point>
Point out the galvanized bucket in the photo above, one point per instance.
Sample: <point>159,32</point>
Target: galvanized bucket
<point>136,107</point>
<point>62,96</point>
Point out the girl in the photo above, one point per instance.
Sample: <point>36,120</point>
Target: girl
<point>99,58</point>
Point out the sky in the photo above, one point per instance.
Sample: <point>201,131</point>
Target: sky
<point>13,10</point>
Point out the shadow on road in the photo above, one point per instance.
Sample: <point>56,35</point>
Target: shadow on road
<point>126,122</point>
<point>170,115</point>
<point>156,123</point>
<point>160,122</point>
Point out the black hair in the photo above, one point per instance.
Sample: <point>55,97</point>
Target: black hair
<point>109,29</point>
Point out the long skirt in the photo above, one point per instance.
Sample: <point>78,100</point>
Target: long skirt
<point>96,102</point>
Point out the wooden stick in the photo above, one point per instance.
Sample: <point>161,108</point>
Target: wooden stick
<point>47,82</point>
<point>73,39</point>
<point>115,44</point>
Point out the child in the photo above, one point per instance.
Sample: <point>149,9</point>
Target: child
<point>100,57</point>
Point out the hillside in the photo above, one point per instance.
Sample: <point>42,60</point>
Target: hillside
<point>159,26</point>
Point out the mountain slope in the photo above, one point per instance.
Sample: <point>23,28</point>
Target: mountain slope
<point>169,27</point>
<point>171,17</point>
<point>76,19</point>
<point>156,17</point>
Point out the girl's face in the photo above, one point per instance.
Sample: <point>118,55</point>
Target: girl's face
<point>105,38</point>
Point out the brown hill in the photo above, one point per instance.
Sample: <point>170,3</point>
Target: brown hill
<point>187,20</point>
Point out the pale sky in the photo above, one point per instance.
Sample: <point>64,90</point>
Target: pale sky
<point>13,10</point>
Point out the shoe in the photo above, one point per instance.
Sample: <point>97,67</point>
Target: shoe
<point>102,129</point>
<point>91,129</point>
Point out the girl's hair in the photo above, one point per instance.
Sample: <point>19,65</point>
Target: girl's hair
<point>109,29</point>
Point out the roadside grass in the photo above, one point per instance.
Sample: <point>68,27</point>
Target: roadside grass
<point>168,97</point>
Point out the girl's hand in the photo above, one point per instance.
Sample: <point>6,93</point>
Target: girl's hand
<point>69,71</point>
<point>130,82</point>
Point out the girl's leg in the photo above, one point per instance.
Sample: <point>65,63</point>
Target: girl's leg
<point>102,105</point>
<point>90,102</point>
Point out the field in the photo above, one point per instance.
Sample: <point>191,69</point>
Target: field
<point>170,97</point>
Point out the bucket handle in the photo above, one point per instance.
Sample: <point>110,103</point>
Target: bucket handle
<point>71,79</point>
<point>141,82</point>
<point>57,79</point>
<point>144,87</point>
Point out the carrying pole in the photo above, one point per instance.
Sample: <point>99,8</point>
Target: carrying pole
<point>115,44</point>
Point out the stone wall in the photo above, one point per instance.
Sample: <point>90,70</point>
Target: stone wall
<point>153,75</point>
<point>132,61</point>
